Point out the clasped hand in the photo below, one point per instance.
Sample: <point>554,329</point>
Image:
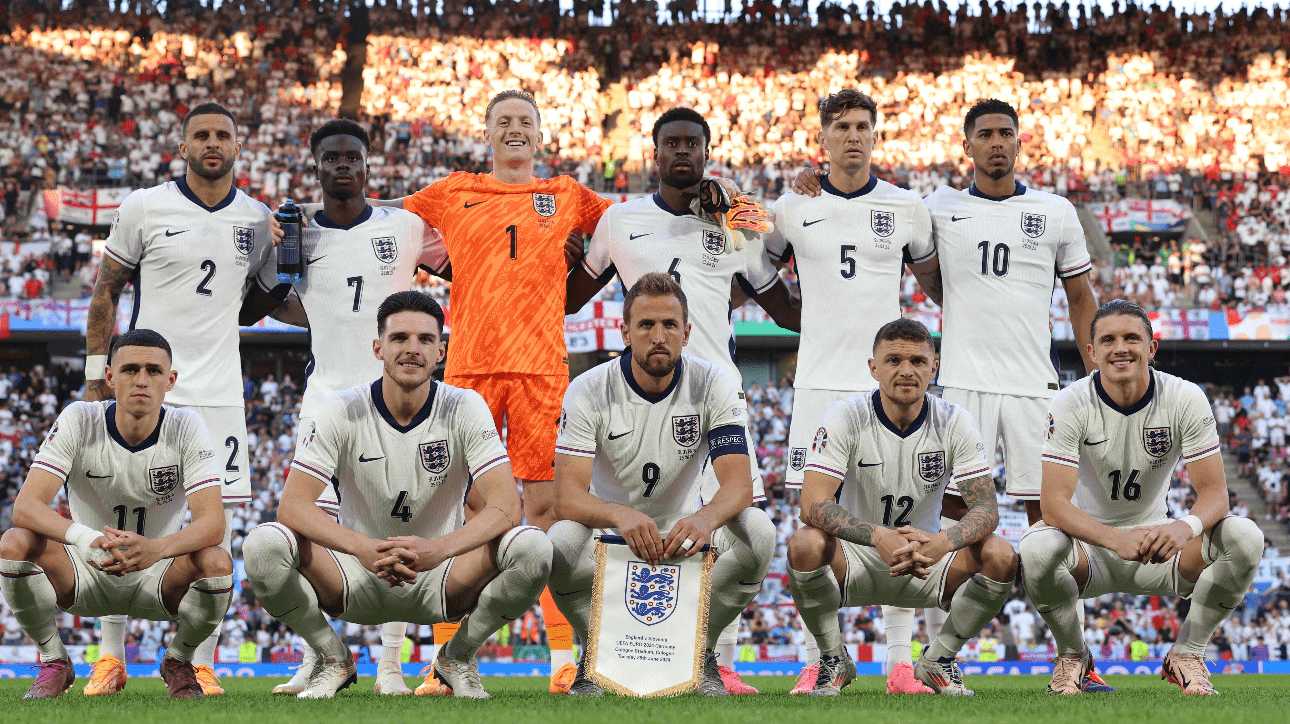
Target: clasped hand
<point>399,559</point>
<point>910,551</point>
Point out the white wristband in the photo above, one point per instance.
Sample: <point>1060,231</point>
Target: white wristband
<point>94,365</point>
<point>1197,525</point>
<point>81,535</point>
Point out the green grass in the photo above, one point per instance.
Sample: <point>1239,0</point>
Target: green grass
<point>999,699</point>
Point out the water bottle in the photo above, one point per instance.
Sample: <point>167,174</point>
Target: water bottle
<point>291,263</point>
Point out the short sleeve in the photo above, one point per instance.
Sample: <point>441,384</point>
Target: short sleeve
<point>727,416</point>
<point>125,241</point>
<point>775,243</point>
<point>429,202</point>
<point>478,434</point>
<point>591,207</point>
<point>198,471</point>
<point>967,454</point>
<point>579,421</point>
<point>921,247</point>
<point>319,452</point>
<point>1196,425</point>
<point>1065,425</point>
<point>63,441</point>
<point>1072,250</point>
<point>599,257</point>
<point>759,272</point>
<point>434,251</point>
<point>831,449</point>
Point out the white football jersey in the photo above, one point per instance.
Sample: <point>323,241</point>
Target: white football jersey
<point>395,480</point>
<point>191,265</point>
<point>650,450</point>
<point>645,235</point>
<point>141,488</point>
<point>349,271</point>
<point>850,252</point>
<point>893,478</point>
<point>1126,456</point>
<point>998,257</point>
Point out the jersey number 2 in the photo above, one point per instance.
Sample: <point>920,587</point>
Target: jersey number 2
<point>208,266</point>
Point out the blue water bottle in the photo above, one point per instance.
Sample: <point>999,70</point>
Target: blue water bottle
<point>291,263</point>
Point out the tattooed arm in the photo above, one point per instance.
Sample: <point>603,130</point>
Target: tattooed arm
<point>819,511</point>
<point>113,277</point>
<point>980,520</point>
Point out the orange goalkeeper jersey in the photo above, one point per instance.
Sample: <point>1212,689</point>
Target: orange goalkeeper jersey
<point>506,246</point>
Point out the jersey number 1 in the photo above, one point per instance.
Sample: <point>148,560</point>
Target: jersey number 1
<point>511,232</point>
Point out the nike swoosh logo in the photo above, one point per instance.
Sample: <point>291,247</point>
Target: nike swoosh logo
<point>1230,608</point>
<point>634,237</point>
<point>230,482</point>
<point>176,233</point>
<point>612,436</point>
<point>1099,442</point>
<point>88,474</point>
<point>362,459</point>
<point>317,258</point>
<point>958,218</point>
<point>811,223</point>
<point>570,593</point>
<point>753,583</point>
<point>476,203</point>
<point>863,464</point>
<point>51,638</point>
<point>962,638</point>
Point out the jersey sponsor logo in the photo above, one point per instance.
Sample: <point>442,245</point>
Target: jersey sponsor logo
<point>1033,224</point>
<point>163,480</point>
<point>544,204</point>
<point>170,233</point>
<point>475,203</point>
<point>612,436</point>
<point>959,218</point>
<point>651,592</point>
<point>821,440</point>
<point>1156,441</point>
<point>931,465</point>
<point>806,223</point>
<point>387,250</point>
<point>434,456</point>
<point>92,476</point>
<point>685,430</point>
<point>243,239</point>
<point>634,237</point>
<point>797,458</point>
<point>883,223</point>
<point>714,242</point>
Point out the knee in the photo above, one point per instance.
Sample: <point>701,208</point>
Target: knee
<point>268,543</point>
<point>568,539</point>
<point>998,560</point>
<point>18,544</point>
<point>528,548</point>
<point>806,548</point>
<point>1044,550</point>
<point>759,531</point>
<point>1241,540</point>
<point>212,562</point>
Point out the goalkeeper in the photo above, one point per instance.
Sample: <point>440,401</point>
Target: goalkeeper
<point>709,241</point>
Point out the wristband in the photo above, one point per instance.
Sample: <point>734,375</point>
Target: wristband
<point>94,365</point>
<point>1197,526</point>
<point>81,535</point>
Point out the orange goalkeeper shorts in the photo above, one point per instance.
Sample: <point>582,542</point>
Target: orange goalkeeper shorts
<point>529,405</point>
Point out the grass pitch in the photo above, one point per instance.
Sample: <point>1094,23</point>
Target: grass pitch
<point>1000,699</point>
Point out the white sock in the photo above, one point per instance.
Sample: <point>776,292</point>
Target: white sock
<point>1236,545</point>
<point>33,601</point>
<point>818,598</point>
<point>935,619</point>
<point>560,657</point>
<point>726,649</point>
<point>573,569</point>
<point>812,646</point>
<point>205,653</point>
<point>899,625</point>
<point>744,547</point>
<point>200,612</point>
<point>977,601</point>
<point>1047,559</point>
<point>392,635</point>
<point>524,562</point>
<point>271,553</point>
<point>113,635</point>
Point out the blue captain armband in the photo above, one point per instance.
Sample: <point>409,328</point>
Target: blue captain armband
<point>727,440</point>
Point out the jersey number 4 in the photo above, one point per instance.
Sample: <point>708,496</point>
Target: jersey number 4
<point>401,509</point>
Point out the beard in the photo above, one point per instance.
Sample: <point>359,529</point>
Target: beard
<point>195,164</point>
<point>996,175</point>
<point>681,179</point>
<point>655,367</point>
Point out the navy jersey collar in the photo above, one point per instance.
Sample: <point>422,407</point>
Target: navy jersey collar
<point>829,188</point>
<point>1020,190</point>
<point>625,362</point>
<point>658,201</point>
<point>887,423</point>
<point>1131,409</point>
<point>327,223</point>
<point>378,399</point>
<point>182,183</point>
<point>116,434</point>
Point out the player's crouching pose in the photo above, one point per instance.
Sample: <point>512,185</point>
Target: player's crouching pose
<point>405,450</point>
<point>885,457</point>
<point>634,437</point>
<point>1114,439</point>
<point>129,465</point>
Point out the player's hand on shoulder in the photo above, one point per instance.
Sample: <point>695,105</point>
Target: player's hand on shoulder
<point>695,529</point>
<point>97,390</point>
<point>574,248</point>
<point>807,182</point>
<point>641,534</point>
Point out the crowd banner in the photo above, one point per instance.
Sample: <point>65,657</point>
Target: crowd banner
<point>648,623</point>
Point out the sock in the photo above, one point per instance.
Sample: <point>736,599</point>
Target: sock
<point>443,632</point>
<point>977,601</point>
<point>812,646</point>
<point>392,635</point>
<point>935,619</point>
<point>818,598</point>
<point>1234,546</point>
<point>524,564</point>
<point>726,644</point>
<point>271,554</point>
<point>573,571</point>
<point>113,636</point>
<point>1047,559</point>
<point>559,634</point>
<point>204,655</point>
<point>200,612</point>
<point>34,602</point>
<point>745,546</point>
<point>899,625</point>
